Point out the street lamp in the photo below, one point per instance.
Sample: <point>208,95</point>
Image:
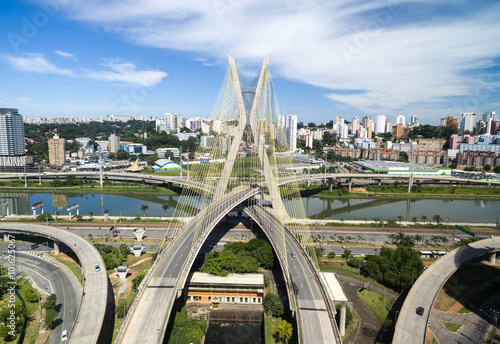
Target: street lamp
<point>447,224</point>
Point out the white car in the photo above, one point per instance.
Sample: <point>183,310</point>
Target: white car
<point>64,336</point>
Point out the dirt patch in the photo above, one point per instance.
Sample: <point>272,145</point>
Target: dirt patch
<point>359,190</point>
<point>65,257</point>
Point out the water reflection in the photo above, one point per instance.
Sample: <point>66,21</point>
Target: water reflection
<point>315,207</point>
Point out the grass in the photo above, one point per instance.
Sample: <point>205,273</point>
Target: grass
<point>271,326</point>
<point>452,326</point>
<point>72,265</point>
<point>464,281</point>
<point>34,316</point>
<point>479,299</point>
<point>375,302</point>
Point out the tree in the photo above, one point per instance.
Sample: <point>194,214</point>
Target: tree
<point>285,331</point>
<point>144,208</point>
<point>347,254</point>
<point>273,305</point>
<point>51,301</point>
<point>331,255</point>
<point>50,317</point>
<point>497,169</point>
<point>124,250</point>
<point>151,160</point>
<point>165,207</point>
<point>437,218</point>
<point>121,155</point>
<point>400,219</point>
<point>31,295</point>
<point>44,217</point>
<point>56,214</point>
<point>91,214</point>
<point>487,167</point>
<point>453,165</point>
<point>414,220</point>
<point>423,218</point>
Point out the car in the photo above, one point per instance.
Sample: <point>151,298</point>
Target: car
<point>420,311</point>
<point>456,239</point>
<point>117,231</point>
<point>64,336</point>
<point>97,268</point>
<point>345,246</point>
<point>293,255</point>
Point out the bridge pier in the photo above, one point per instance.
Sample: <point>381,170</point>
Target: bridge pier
<point>139,234</point>
<point>6,237</point>
<point>330,185</point>
<point>350,183</point>
<point>493,257</point>
<point>56,247</point>
<point>342,319</point>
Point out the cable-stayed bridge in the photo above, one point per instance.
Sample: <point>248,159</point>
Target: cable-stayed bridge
<point>246,174</point>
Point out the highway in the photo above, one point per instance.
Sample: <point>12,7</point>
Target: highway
<point>148,318</point>
<point>90,315</point>
<point>52,277</point>
<point>410,327</point>
<point>313,317</point>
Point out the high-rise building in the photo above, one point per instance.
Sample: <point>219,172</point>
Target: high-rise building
<point>388,126</point>
<point>367,120</point>
<point>400,119</point>
<point>11,133</point>
<point>114,143</point>
<point>414,119</point>
<point>488,115</point>
<point>467,122</point>
<point>380,124</point>
<point>289,123</point>
<point>57,150</point>
<point>355,125</point>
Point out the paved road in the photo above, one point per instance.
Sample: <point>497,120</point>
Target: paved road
<point>411,328</point>
<point>147,322</point>
<point>313,318</point>
<point>53,277</point>
<point>95,291</point>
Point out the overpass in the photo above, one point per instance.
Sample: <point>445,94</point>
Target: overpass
<point>147,320</point>
<point>90,315</point>
<point>412,328</point>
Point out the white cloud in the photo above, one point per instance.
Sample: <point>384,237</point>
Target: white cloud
<point>34,63</point>
<point>127,72</point>
<point>66,55</point>
<point>118,71</point>
<point>397,56</point>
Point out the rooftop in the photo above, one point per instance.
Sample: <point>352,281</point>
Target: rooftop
<point>248,280</point>
<point>393,166</point>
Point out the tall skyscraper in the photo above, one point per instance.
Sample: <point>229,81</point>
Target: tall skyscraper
<point>289,123</point>
<point>414,119</point>
<point>114,143</point>
<point>57,151</point>
<point>11,133</point>
<point>400,119</point>
<point>380,124</point>
<point>355,125</point>
<point>488,115</point>
<point>467,122</point>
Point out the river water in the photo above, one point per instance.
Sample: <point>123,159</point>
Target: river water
<point>316,207</point>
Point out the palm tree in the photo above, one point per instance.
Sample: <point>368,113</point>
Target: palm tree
<point>437,218</point>
<point>424,218</point>
<point>285,331</point>
<point>90,214</point>
<point>165,208</point>
<point>144,208</point>
<point>415,220</point>
<point>418,238</point>
<point>400,219</point>
<point>56,213</point>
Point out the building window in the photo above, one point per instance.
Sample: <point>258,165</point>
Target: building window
<point>258,299</point>
<point>209,298</point>
<point>228,299</point>
<point>233,299</point>
<point>241,299</point>
<point>253,300</point>
<point>246,299</point>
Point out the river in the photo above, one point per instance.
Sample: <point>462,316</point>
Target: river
<point>456,210</point>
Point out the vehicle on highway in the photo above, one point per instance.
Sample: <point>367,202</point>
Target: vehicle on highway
<point>420,311</point>
<point>117,231</point>
<point>293,255</point>
<point>97,268</point>
<point>345,246</point>
<point>64,336</point>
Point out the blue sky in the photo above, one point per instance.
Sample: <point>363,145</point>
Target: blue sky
<point>328,58</point>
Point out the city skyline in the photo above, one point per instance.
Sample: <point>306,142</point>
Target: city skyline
<point>81,58</point>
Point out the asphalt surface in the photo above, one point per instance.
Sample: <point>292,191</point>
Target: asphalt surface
<point>52,277</point>
<point>90,314</point>
<point>412,328</point>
